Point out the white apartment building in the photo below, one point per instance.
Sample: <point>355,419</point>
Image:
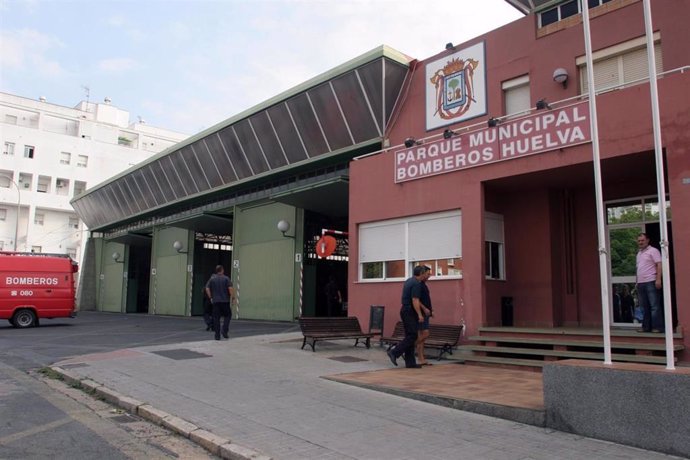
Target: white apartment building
<point>51,154</point>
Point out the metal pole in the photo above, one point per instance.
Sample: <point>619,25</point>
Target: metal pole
<point>603,260</point>
<point>19,208</point>
<point>661,186</point>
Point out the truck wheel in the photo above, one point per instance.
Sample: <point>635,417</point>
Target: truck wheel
<point>11,321</point>
<point>24,318</point>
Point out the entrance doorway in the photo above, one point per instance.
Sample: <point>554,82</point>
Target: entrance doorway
<point>626,219</point>
<point>138,277</point>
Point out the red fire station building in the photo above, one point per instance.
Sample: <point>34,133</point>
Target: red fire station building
<point>488,176</point>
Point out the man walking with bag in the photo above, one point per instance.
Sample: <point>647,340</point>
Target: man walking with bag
<point>412,315</point>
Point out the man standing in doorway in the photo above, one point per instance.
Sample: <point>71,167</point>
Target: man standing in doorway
<point>648,281</point>
<point>411,315</point>
<point>219,290</point>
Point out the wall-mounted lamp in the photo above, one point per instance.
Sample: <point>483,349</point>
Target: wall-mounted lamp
<point>450,46</point>
<point>560,75</point>
<point>284,226</point>
<point>542,104</point>
<point>177,245</point>
<point>116,258</point>
<point>448,133</point>
<point>411,142</point>
<point>493,122</point>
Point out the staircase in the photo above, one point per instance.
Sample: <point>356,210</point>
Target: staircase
<point>531,348</point>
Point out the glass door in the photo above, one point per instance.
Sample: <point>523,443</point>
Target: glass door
<point>625,221</point>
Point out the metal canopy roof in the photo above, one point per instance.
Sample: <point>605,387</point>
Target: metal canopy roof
<point>341,110</point>
<point>530,6</point>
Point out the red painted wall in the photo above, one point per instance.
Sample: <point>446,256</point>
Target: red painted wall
<point>529,191</point>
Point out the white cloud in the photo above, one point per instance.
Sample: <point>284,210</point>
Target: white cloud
<point>28,49</point>
<point>117,64</point>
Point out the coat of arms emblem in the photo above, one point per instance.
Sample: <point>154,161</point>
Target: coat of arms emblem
<point>454,85</point>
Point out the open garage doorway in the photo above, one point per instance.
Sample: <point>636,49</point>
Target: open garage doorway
<point>320,271</point>
<point>138,275</point>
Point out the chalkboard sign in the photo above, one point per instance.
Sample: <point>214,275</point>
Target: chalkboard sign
<point>376,319</point>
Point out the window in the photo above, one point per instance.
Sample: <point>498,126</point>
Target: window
<point>39,218</point>
<point>29,151</point>
<point>494,246</point>
<point>621,64</point>
<point>82,161</point>
<point>79,187</point>
<point>5,180</point>
<point>11,119</point>
<point>3,214</point>
<point>516,95</point>
<point>65,158</point>
<point>43,184</point>
<point>73,222</point>
<point>388,250</point>
<point>72,253</point>
<point>62,186</point>
<point>565,10</point>
<point>9,148</point>
<point>36,248</point>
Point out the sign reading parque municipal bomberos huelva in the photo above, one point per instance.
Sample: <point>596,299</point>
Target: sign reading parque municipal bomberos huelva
<point>541,132</point>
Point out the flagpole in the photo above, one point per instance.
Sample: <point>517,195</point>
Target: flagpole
<point>661,185</point>
<point>603,259</point>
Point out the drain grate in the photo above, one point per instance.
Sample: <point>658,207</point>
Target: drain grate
<point>346,359</point>
<point>181,353</point>
<point>124,419</point>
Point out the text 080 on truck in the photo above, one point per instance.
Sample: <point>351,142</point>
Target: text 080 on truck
<point>36,286</point>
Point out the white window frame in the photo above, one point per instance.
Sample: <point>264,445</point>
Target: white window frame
<point>3,214</point>
<point>39,218</point>
<point>82,161</point>
<point>65,158</point>
<point>494,232</point>
<point>560,16</point>
<point>9,148</point>
<point>614,57</point>
<point>400,245</point>
<point>512,88</point>
<point>73,222</point>
<point>29,151</point>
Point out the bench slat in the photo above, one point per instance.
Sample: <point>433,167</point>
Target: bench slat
<point>323,328</point>
<point>444,337</point>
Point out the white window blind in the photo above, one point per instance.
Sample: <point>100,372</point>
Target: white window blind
<point>493,228</point>
<point>382,242</point>
<point>621,69</point>
<point>435,238</point>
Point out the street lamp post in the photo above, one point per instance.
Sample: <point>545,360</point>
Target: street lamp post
<point>19,207</point>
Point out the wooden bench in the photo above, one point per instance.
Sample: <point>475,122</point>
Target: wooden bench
<point>333,328</point>
<point>443,337</point>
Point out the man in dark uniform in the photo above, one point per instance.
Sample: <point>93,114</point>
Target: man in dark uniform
<point>219,290</point>
<point>411,315</point>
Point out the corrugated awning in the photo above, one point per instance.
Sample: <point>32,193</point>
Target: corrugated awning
<point>327,116</point>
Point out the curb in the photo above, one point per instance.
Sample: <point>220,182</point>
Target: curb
<point>213,443</point>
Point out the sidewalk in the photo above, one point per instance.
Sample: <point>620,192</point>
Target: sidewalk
<point>265,394</point>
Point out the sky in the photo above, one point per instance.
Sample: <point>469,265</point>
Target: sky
<point>186,65</point>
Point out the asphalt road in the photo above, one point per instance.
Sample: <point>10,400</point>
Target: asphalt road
<point>95,332</point>
<point>44,418</point>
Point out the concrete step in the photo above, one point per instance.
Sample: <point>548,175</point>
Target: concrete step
<point>574,343</point>
<point>564,354</point>
<point>508,363</point>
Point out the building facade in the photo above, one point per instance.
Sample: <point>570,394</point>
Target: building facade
<point>477,161</point>
<point>490,180</point>
<point>50,154</point>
